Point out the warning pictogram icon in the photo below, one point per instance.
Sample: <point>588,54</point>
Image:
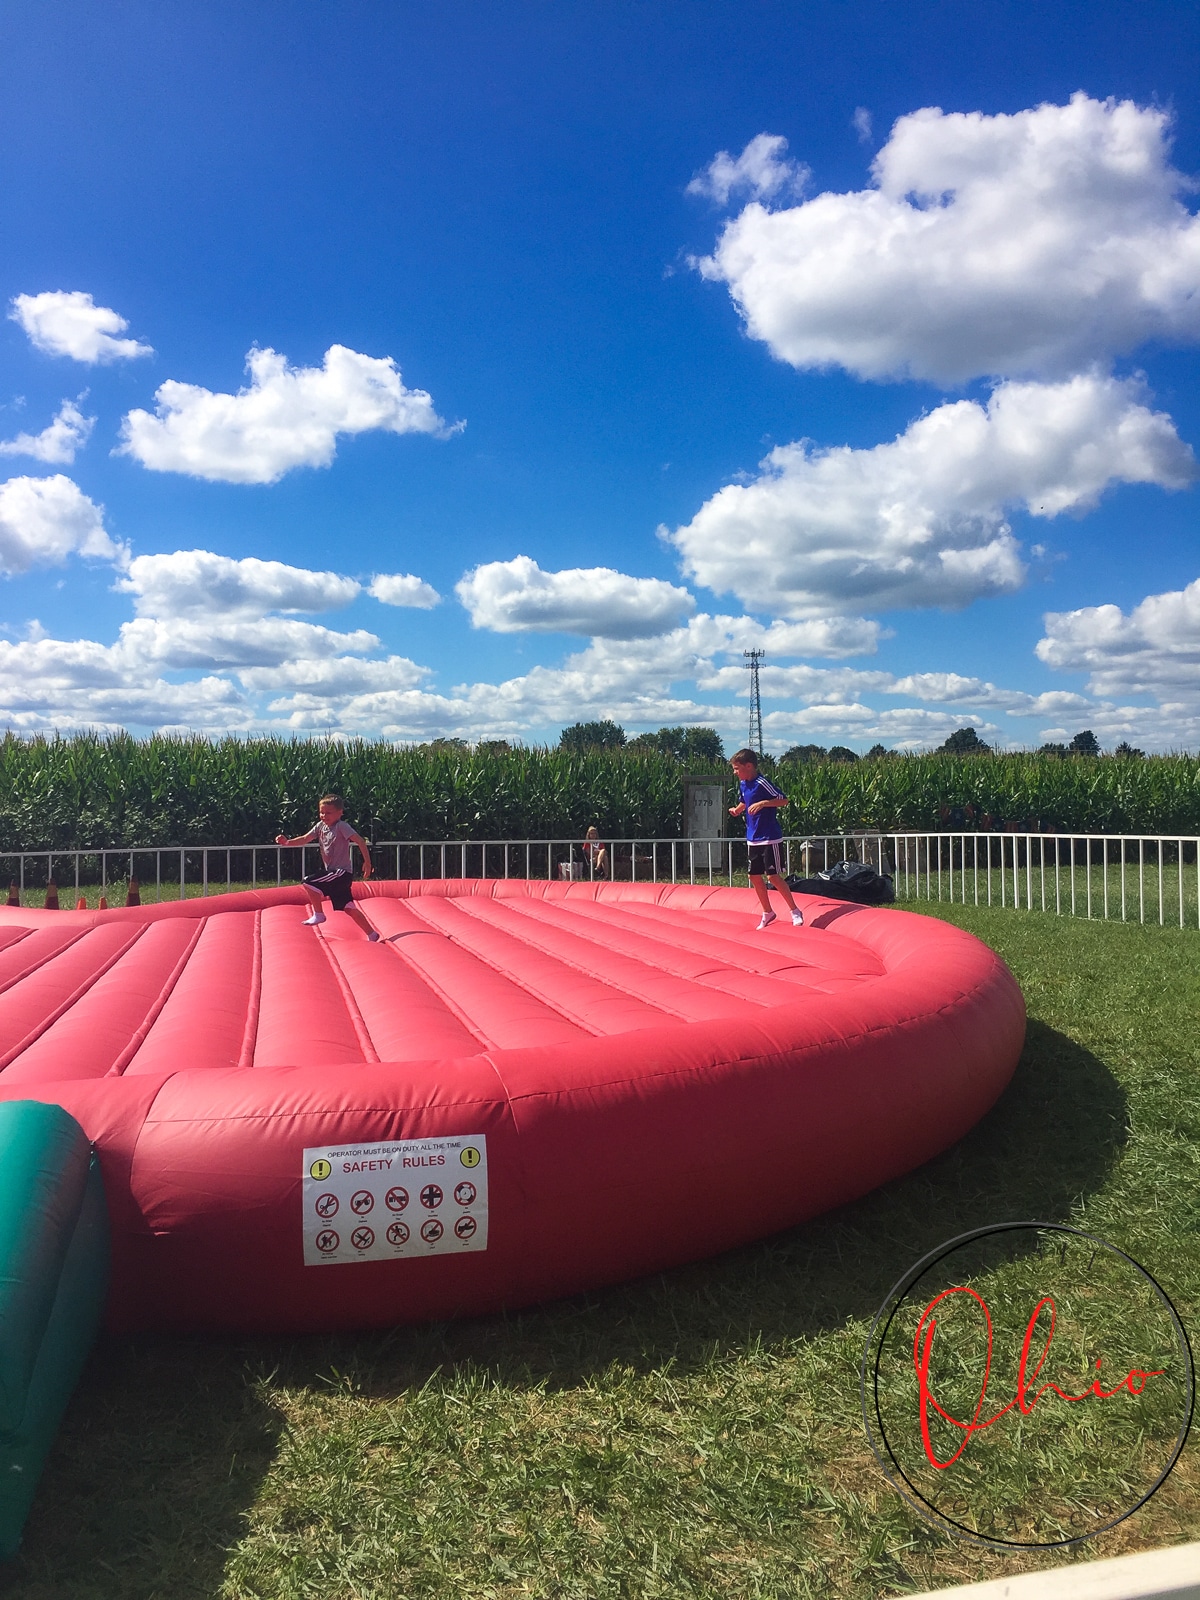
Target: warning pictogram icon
<point>362,1238</point>
<point>361,1202</point>
<point>431,1196</point>
<point>398,1233</point>
<point>320,1170</point>
<point>396,1199</point>
<point>327,1240</point>
<point>326,1205</point>
<point>465,1227</point>
<point>465,1194</point>
<point>431,1230</point>
<point>470,1156</point>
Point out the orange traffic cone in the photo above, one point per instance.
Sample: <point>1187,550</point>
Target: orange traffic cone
<point>81,904</point>
<point>51,896</point>
<point>103,904</point>
<point>14,895</point>
<point>133,895</point>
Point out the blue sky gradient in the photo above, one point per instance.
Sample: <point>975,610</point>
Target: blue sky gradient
<point>494,197</point>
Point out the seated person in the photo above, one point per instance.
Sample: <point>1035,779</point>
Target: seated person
<point>595,854</point>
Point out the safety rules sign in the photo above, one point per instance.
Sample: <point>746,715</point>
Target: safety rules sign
<point>381,1202</point>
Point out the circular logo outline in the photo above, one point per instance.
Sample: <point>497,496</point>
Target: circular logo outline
<point>327,1234</point>
<point>432,1223</point>
<point>471,1152</point>
<point>320,1169</point>
<point>891,1305</point>
<point>396,1199</point>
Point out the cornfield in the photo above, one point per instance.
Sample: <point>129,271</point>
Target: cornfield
<point>83,792</point>
<point>1109,794</point>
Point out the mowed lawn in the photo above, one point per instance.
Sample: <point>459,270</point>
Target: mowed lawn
<point>697,1434</point>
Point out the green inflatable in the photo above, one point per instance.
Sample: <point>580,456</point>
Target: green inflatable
<point>53,1280</point>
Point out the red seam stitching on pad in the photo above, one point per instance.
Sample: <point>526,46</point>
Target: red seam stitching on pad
<point>366,1043</point>
<point>164,994</point>
<point>254,1000</point>
<point>517,982</point>
<point>34,1034</point>
<point>41,962</point>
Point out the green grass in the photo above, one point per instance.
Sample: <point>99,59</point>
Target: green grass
<point>696,1434</point>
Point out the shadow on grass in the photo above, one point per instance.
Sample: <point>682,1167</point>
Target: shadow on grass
<point>165,1445</point>
<point>162,1451</point>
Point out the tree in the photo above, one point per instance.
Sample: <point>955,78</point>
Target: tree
<point>841,752</point>
<point>493,747</point>
<point>805,752</point>
<point>1085,744</point>
<point>700,747</point>
<point>877,752</point>
<point>964,742</point>
<point>592,736</point>
<point>703,747</point>
<point>1129,752</point>
<point>1059,750</point>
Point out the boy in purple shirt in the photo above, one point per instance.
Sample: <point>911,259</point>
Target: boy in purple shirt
<point>760,804</point>
<point>336,877</point>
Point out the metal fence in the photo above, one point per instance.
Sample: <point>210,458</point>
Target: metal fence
<point>1126,877</point>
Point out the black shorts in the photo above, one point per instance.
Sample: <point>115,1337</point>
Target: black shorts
<point>335,886</point>
<point>766,859</point>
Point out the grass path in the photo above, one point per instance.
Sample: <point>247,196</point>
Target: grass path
<point>696,1434</point>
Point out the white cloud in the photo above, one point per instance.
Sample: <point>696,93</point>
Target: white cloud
<point>920,521</point>
<point>232,641</point>
<point>53,683</point>
<point>70,323</point>
<point>330,680</point>
<point>287,417</point>
<point>1036,243</point>
<point>517,596</point>
<point>58,443</point>
<point>44,520</point>
<point>951,688</point>
<point>813,685</point>
<point>908,727</point>
<point>761,171</point>
<point>186,583</point>
<point>1154,649</point>
<point>402,589</point>
<point>861,123</point>
<point>820,636</point>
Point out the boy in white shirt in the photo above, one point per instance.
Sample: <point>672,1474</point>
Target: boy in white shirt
<point>336,879</point>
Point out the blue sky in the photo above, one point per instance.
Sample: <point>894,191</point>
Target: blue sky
<point>528,484</point>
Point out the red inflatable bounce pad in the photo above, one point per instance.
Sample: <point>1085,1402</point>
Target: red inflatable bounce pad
<point>524,1090</point>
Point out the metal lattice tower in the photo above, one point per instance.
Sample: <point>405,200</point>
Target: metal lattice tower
<point>752,658</point>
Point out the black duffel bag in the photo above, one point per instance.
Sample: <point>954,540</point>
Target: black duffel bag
<point>848,880</point>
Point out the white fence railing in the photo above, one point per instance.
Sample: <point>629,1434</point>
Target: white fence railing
<point>1126,877</point>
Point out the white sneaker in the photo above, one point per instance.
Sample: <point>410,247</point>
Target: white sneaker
<point>768,917</point>
<point>797,919</point>
<point>311,922</point>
